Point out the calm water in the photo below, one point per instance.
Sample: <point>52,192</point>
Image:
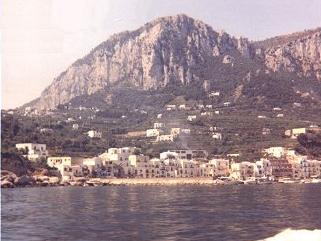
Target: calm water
<point>159,212</point>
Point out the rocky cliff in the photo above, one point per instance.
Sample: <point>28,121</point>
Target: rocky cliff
<point>301,55</point>
<point>174,50</point>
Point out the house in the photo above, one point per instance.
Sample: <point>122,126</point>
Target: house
<point>75,126</point>
<point>33,151</point>
<point>243,170</point>
<point>261,117</point>
<point>296,104</point>
<point>277,109</point>
<point>59,161</point>
<point>65,167</point>
<point>191,117</point>
<point>46,131</point>
<point>298,131</point>
<point>70,119</point>
<point>69,172</point>
<point>118,155</point>
<point>200,106</point>
<point>305,168</point>
<point>209,106</point>
<point>190,154</point>
<point>214,94</point>
<point>94,134</point>
<point>138,160</point>
<point>206,113</point>
<point>158,125</point>
<point>153,132</point>
<point>159,116</point>
<point>168,155</point>
<point>263,169</point>
<point>227,104</point>
<point>220,167</point>
<point>166,138</point>
<point>170,107</point>
<point>217,112</point>
<point>233,155</point>
<point>280,115</point>
<point>217,136</point>
<point>93,164</point>
<point>182,107</point>
<point>294,133</point>
<point>186,131</point>
<point>266,131</point>
<point>187,168</point>
<point>175,131</point>
<point>281,168</point>
<point>213,128</point>
<point>275,151</point>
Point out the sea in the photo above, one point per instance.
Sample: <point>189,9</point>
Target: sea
<point>181,212</point>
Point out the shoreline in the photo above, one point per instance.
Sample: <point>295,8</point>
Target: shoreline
<point>44,181</point>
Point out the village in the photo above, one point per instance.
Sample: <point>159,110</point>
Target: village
<point>174,124</point>
<point>279,165</point>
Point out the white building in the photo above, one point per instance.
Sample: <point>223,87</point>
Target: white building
<point>166,138</point>
<point>59,161</point>
<point>33,151</point>
<point>220,167</point>
<point>69,172</point>
<point>182,107</point>
<point>306,169</point>
<point>189,154</point>
<point>206,113</point>
<point>297,131</point>
<point>214,94</point>
<point>266,131</point>
<point>170,107</point>
<point>186,131</point>
<point>275,151</point>
<point>226,104</point>
<point>75,126</point>
<point>94,134</point>
<point>243,170</point>
<point>168,155</point>
<point>158,125</point>
<point>159,116</point>
<point>93,164</point>
<point>217,136</point>
<point>263,168</point>
<point>153,132</point>
<point>187,168</point>
<point>175,131</point>
<point>191,117</point>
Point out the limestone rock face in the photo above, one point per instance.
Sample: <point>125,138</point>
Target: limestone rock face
<point>178,50</point>
<point>301,56</point>
<point>163,51</point>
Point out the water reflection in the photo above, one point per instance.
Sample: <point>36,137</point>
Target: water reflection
<point>159,213</point>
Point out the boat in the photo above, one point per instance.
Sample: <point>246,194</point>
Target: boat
<point>287,180</point>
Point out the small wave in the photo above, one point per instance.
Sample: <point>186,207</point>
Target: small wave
<point>296,235</point>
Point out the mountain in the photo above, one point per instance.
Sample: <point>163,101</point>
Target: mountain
<point>181,52</point>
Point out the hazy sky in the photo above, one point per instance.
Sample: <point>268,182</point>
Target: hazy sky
<point>41,38</point>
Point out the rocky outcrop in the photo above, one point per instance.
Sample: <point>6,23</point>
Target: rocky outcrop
<point>179,50</point>
<point>167,50</point>
<point>301,56</point>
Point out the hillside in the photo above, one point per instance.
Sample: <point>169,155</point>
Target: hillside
<point>181,52</point>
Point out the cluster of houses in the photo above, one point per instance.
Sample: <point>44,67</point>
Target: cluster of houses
<point>129,162</point>
<point>162,134</point>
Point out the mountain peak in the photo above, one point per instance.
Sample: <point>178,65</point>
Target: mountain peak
<point>174,50</point>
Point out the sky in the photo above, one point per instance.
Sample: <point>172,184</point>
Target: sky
<point>41,38</point>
